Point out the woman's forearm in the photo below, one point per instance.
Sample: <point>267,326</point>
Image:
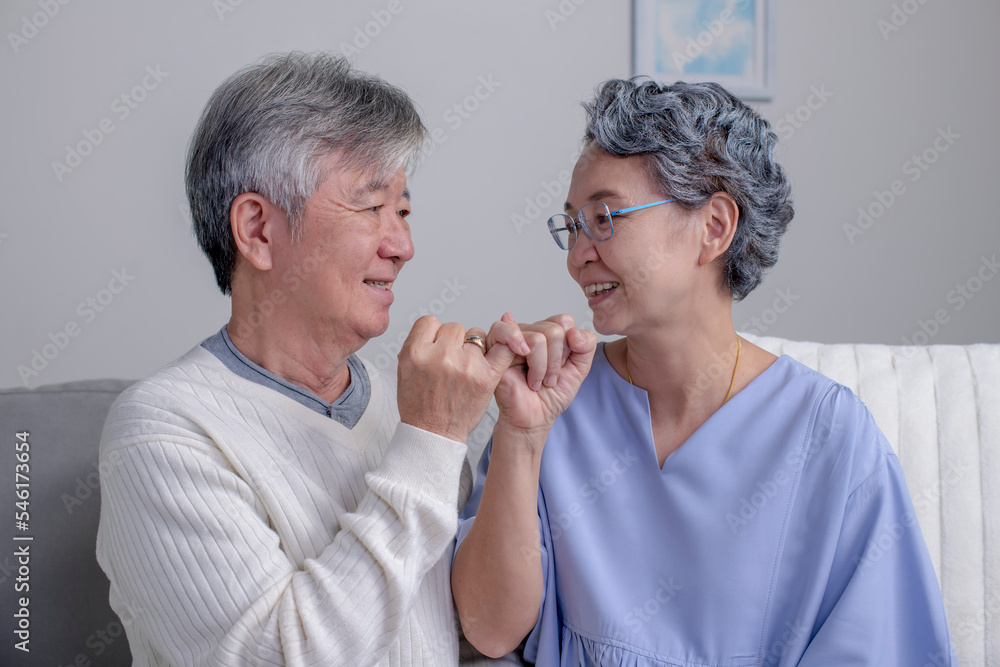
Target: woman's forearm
<point>497,575</point>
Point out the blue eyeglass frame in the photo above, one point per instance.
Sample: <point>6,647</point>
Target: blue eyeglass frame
<point>578,223</point>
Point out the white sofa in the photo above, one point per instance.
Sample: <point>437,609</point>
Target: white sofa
<point>939,407</point>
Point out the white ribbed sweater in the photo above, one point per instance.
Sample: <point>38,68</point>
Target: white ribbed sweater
<point>239,527</point>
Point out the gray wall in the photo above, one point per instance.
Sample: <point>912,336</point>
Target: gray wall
<point>121,207</point>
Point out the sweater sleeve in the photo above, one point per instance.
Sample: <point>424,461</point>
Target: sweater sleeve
<point>201,577</point>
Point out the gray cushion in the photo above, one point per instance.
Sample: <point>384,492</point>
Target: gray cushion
<point>68,610</point>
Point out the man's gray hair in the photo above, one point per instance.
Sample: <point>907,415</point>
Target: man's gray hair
<point>268,128</point>
<point>698,139</point>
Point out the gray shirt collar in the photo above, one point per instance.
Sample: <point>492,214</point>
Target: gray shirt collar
<point>347,409</point>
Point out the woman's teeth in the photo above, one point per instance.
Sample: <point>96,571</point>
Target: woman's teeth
<point>599,288</point>
<point>377,283</point>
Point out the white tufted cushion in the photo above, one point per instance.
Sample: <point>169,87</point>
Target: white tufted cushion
<point>939,407</point>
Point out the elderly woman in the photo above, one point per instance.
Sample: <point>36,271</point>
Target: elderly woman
<point>701,502</point>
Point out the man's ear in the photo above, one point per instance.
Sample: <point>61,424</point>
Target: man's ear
<point>254,221</point>
<point>721,215</point>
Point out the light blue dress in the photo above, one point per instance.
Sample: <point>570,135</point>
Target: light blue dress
<point>780,533</point>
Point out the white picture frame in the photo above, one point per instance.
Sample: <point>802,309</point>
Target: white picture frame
<point>730,42</point>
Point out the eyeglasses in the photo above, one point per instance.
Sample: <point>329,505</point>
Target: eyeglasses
<point>595,219</point>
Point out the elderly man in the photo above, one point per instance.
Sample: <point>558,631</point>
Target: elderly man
<point>265,499</point>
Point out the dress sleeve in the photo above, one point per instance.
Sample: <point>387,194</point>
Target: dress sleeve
<point>199,574</point>
<point>882,605</point>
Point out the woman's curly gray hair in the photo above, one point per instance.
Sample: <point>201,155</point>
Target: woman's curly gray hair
<point>699,139</point>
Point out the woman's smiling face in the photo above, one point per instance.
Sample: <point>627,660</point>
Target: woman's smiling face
<point>646,268</point>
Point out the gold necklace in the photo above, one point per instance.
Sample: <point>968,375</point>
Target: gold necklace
<point>732,381</point>
<point>739,347</point>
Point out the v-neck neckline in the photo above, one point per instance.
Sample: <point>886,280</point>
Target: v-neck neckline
<point>649,448</point>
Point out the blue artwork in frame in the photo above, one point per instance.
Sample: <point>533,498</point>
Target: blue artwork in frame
<point>728,41</point>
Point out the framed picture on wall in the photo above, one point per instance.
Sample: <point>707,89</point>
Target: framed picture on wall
<point>728,41</point>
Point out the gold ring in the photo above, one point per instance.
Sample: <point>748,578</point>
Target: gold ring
<point>477,341</point>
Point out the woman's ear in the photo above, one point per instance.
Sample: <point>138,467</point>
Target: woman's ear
<point>721,215</point>
<point>253,220</point>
